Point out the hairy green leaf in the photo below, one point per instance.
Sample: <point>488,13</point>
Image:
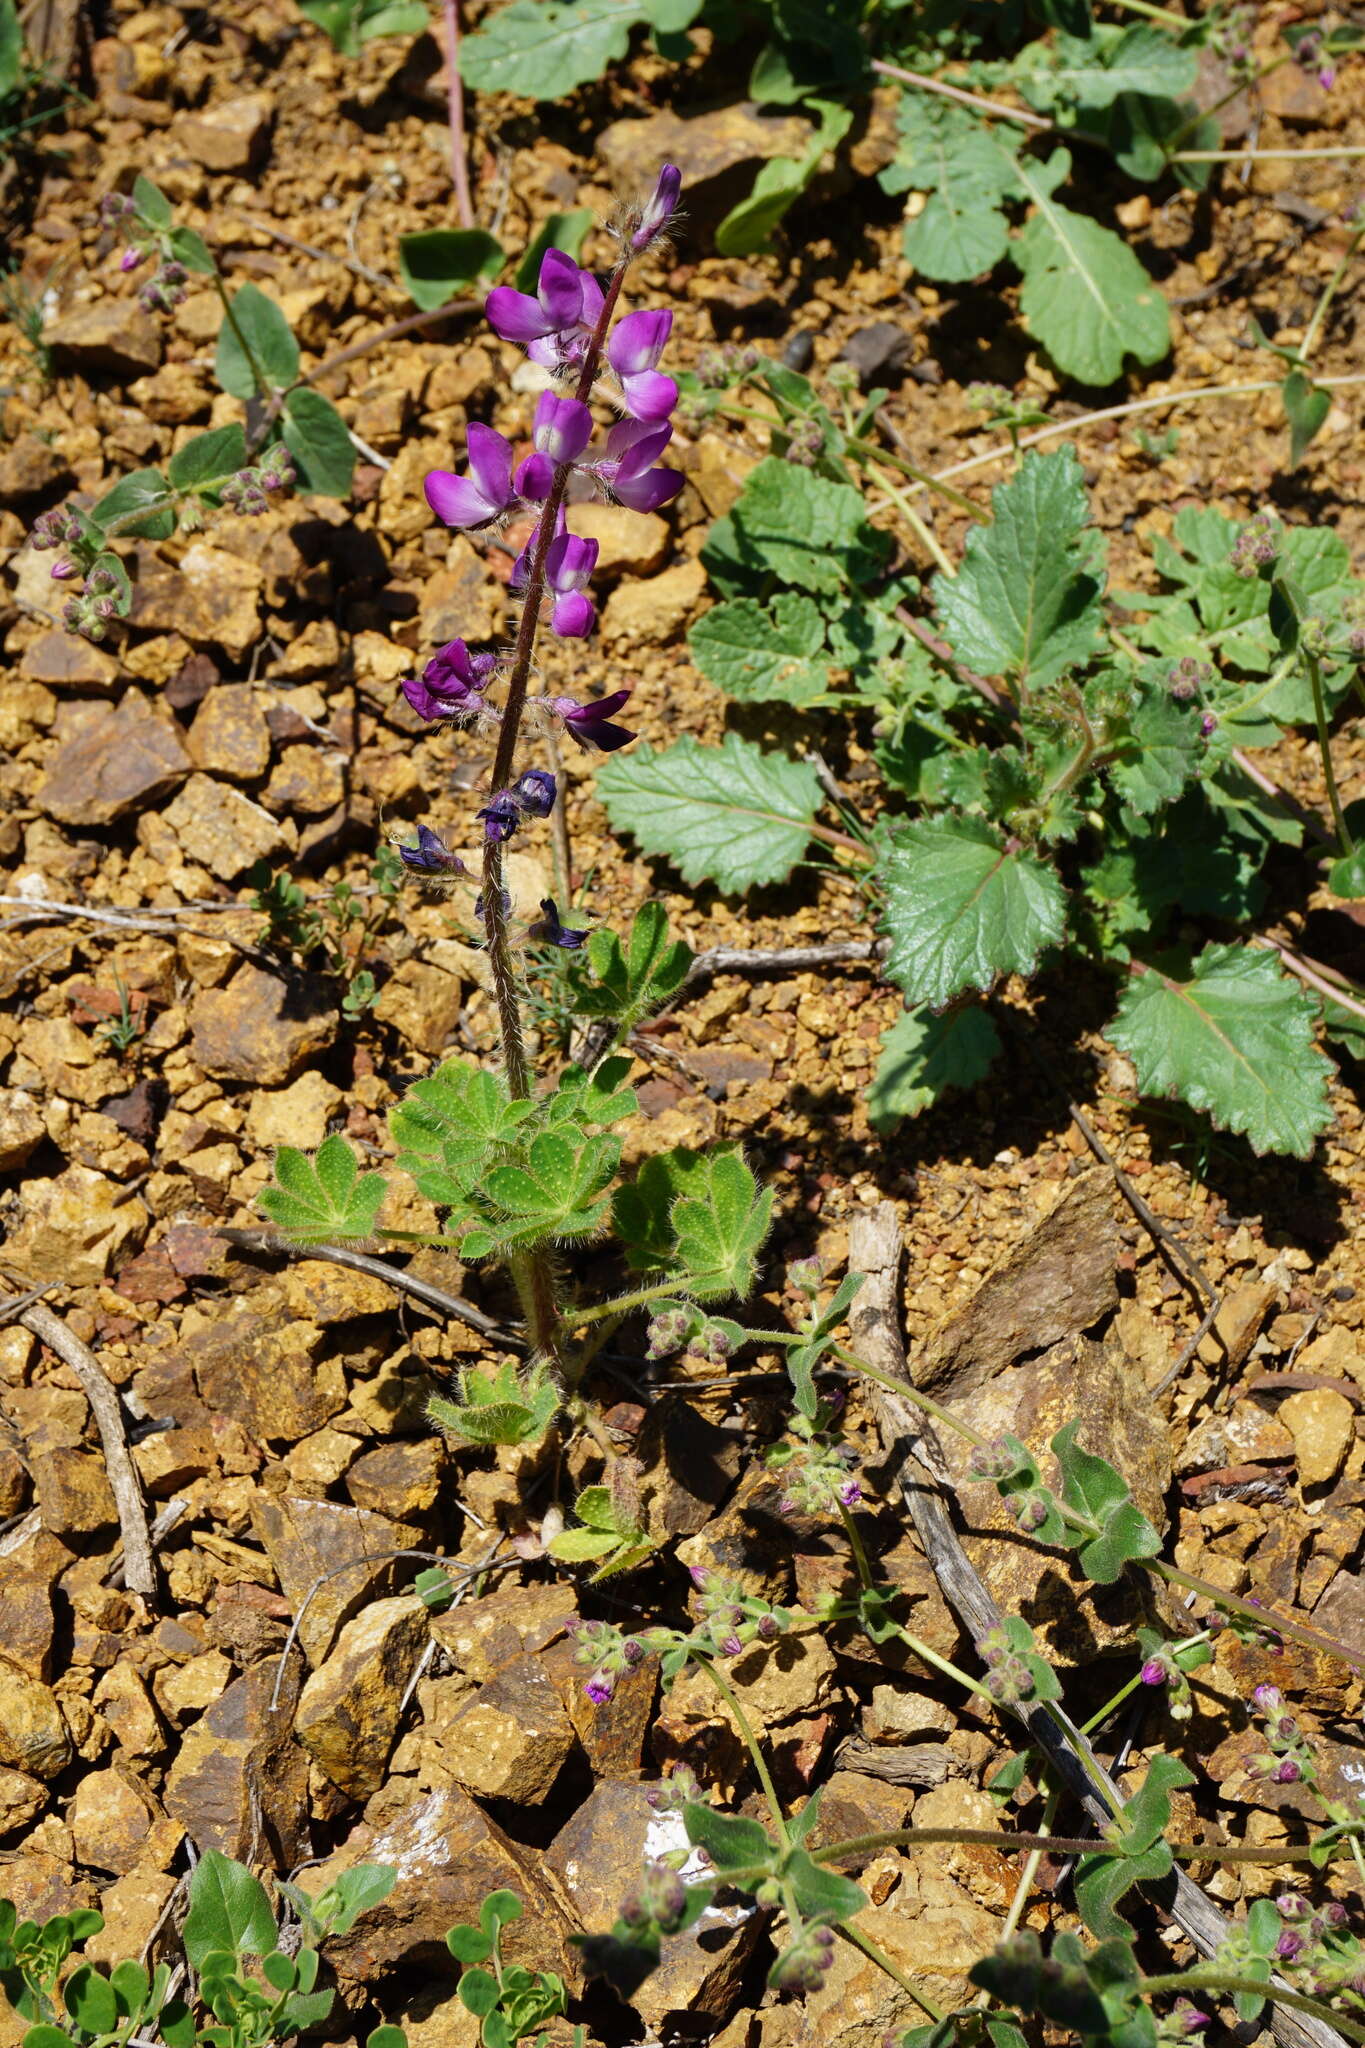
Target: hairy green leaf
<point>206,458</point>
<point>730,1841</point>
<point>1026,601</point>
<point>1093,1487</point>
<point>323,1200</point>
<point>1086,297</point>
<point>228,1909</point>
<point>923,1056</point>
<point>137,505</point>
<point>761,654</point>
<point>734,815</point>
<point>720,1225</point>
<point>968,172</point>
<point>794,525</point>
<point>545,49</point>
<point>1139,1853</point>
<point>437,264</point>
<point>1235,1040</point>
<point>255,331</point>
<point>963,907</point>
<point>1305,408</point>
<point>320,442</point>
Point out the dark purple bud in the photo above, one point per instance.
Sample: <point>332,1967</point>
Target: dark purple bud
<point>591,724</point>
<point>130,259</point>
<point>535,792</point>
<point>658,210</point>
<point>431,855</point>
<point>1154,1671</point>
<point>1287,1772</point>
<point>850,1493</point>
<point>633,1651</point>
<point>768,1628</point>
<point>62,568</point>
<point>731,1646</point>
<point>600,1687</point>
<point>501,815</point>
<point>1289,1945</point>
<point>550,932</point>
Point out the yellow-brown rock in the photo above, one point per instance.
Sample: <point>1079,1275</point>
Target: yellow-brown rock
<point>34,1738</point>
<point>510,1741</point>
<point>348,1714</point>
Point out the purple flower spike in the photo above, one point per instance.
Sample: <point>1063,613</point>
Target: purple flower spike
<point>534,478</point>
<point>487,490</point>
<point>659,209</point>
<point>501,815</point>
<point>535,792</point>
<point>632,446</point>
<point>558,302</point>
<point>431,855</point>
<point>600,1687</point>
<point>591,724</point>
<point>569,563</point>
<point>551,932</point>
<point>636,344</point>
<point>563,427</point>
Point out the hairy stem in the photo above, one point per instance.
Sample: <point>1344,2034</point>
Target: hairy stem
<point>1344,840</point>
<point>727,1693</point>
<point>1187,1982</point>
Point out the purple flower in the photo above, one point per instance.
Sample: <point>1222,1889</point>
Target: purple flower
<point>850,1493</point>
<point>534,478</point>
<point>431,855</point>
<point>535,792</point>
<point>62,568</point>
<point>569,563</point>
<point>563,427</point>
<point>551,932</point>
<point>501,815</point>
<point>602,1685</point>
<point>1153,1671</point>
<point>659,208</point>
<point>451,682</point>
<point>130,259</point>
<point>731,1646</point>
<point>591,724</point>
<point>1286,1773</point>
<point>633,351</point>
<point>625,470</point>
<point>700,1576</point>
<point>1289,1945</point>
<point>1267,1697</point>
<point>555,326</point>
<point>487,490</point>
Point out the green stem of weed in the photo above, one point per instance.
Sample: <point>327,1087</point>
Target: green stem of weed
<point>923,534</point>
<point>893,1970</point>
<point>867,451</point>
<point>731,1699</point>
<point>1186,1982</point>
<point>1345,842</point>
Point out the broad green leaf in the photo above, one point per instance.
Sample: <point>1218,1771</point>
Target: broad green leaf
<point>731,1842</point>
<point>963,908</point>
<point>278,1971</point>
<point>255,331</point>
<point>1183,862</point>
<point>469,1944</point>
<point>152,203</point>
<point>193,251</point>
<point>208,457</point>
<point>924,1055</point>
<point>794,525</point>
<point>545,49</point>
<point>761,654</point>
<point>642,1210</point>
<point>821,1894</point>
<point>556,1193</point>
<point>437,264</point>
<point>323,1200</point>
<point>1346,877</point>
<point>968,172</point>
<point>353,23</point>
<point>749,226</point>
<point>358,1890</point>
<point>318,439</point>
<point>90,1999</point>
<point>45,2036</point>
<point>1305,408</point>
<point>1235,1040</point>
<point>720,1226</point>
<point>478,1991</point>
<point>582,1546</point>
<point>1026,601</point>
<point>566,231</point>
<point>1093,1487</point>
<point>11,48</point>
<point>131,1985</point>
<point>1162,748</point>
<point>1139,1853</point>
<point>1092,71</point>
<point>138,504</point>
<point>734,815</point>
<point>228,1907</point>
<point>1086,297</point>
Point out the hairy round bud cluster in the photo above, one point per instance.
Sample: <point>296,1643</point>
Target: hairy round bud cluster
<point>1188,678</point>
<point>1182,2022</point>
<point>54,529</point>
<point>817,1476</point>
<point>1315,634</point>
<point>1289,1757</point>
<point>1029,1507</point>
<point>731,1618</point>
<point>115,208</point>
<point>681,1788</point>
<point>804,1966</point>
<point>804,1276</point>
<point>807,444</point>
<point>1161,1668</point>
<point>667,1333</point>
<point>1256,547</point>
<point>658,1900</point>
<point>994,1460</point>
<point>1008,1678</point>
<point>726,363</point>
<point>249,490</point>
<point>165,289</point>
<point>987,397</point>
<point>610,1652</point>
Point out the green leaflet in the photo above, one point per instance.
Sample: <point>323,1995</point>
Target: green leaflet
<point>957,159</point>
<point>962,908</point>
<point>1085,296</point>
<point>761,654</point>
<point>923,1056</point>
<point>323,1200</point>
<point>734,815</point>
<point>545,49</point>
<point>1235,1040</point>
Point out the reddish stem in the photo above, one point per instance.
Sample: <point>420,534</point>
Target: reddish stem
<point>459,168</point>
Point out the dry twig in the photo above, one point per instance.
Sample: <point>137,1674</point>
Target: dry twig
<point>264,1241</point>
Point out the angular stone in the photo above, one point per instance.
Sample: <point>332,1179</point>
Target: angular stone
<point>175,395</point>
<point>29,468</point>
<point>67,661</point>
<point>31,1574</point>
<point>115,1825</point>
<point>74,1494</point>
<point>510,1741</point>
<point>266,1376</point>
<point>689,1466</point>
<point>229,735</point>
<point>122,760</point>
<point>655,611</point>
<point>706,148</point>
<point>308,780</point>
<point>122,1699</point>
<point>189,1688</point>
<point>13,1482</point>
<point>1245,1434</point>
<point>111,334</point>
<point>231,136</point>
<point>22,1130</point>
<point>612,1732</point>
<point>348,1714</point>
<point>462,599</point>
<point>239,1780</point>
<point>402,1478</point>
<point>597,1856</point>
<point>298,1116</point>
<point>305,1539</point>
<point>260,1028</point>
<point>322,1293</point>
<point>212,598</point>
<point>132,1907</point>
<point>22,1799</point>
<point>423,1005</point>
<point>628,543</point>
<point>34,1738</point>
<point>448,1856</point>
<point>1321,1422</point>
<point>75,1229</point>
<point>221,829</point>
<point>481,1636</point>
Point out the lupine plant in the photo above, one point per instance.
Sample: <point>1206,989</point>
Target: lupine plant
<point>291,436</point>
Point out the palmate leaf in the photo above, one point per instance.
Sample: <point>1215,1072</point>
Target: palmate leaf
<point>1026,602</point>
<point>448,1125</point>
<point>324,1200</point>
<point>1235,1040</point>
<point>761,654</point>
<point>557,1194</point>
<point>962,908</point>
<point>1086,297</point>
<point>735,815</point>
<point>720,1225</point>
<point>956,158</point>
<point>923,1056</point>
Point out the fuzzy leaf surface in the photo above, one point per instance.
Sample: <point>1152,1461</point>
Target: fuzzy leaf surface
<point>1026,601</point>
<point>720,1225</point>
<point>923,1056</point>
<point>323,1200</point>
<point>794,525</point>
<point>961,909</point>
<point>735,815</point>
<point>1235,1040</point>
<point>1086,297</point>
<point>949,153</point>
<point>760,653</point>
<point>545,49</point>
